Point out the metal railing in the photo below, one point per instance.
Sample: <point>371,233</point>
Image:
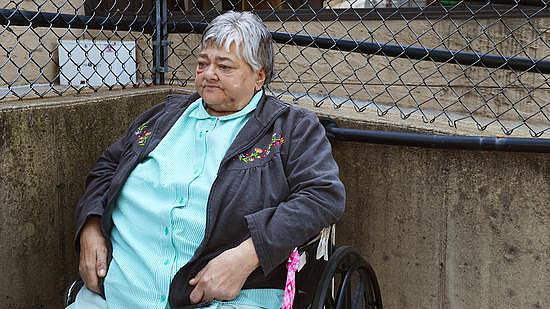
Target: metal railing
<point>467,64</point>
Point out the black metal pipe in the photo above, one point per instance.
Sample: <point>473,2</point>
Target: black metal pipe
<point>435,11</point>
<point>513,144</point>
<point>397,51</point>
<point>417,53</point>
<point>34,19</point>
<point>534,3</point>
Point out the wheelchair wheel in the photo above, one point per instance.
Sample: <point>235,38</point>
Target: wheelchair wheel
<point>355,283</point>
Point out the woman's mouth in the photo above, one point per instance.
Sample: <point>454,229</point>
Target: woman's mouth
<point>211,87</point>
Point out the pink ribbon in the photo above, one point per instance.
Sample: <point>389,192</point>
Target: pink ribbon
<point>290,286</point>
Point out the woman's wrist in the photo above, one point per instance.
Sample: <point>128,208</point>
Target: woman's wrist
<point>250,257</point>
<point>92,225</point>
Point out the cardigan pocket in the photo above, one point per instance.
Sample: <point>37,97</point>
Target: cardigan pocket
<point>254,187</point>
<point>257,163</point>
<point>263,151</point>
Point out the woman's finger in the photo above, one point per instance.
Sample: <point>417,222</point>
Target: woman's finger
<point>101,261</point>
<point>198,276</point>
<point>206,297</point>
<point>196,295</point>
<point>88,270</point>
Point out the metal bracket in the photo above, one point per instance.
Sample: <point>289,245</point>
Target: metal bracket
<point>162,43</point>
<point>162,69</point>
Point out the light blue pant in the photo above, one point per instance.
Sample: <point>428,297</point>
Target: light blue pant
<point>85,299</point>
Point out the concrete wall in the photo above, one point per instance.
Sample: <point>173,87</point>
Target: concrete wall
<point>447,228</point>
<point>442,228</point>
<point>46,150</point>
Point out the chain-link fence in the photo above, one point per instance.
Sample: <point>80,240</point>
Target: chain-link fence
<point>471,64</point>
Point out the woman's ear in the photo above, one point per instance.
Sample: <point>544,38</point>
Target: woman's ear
<point>260,80</point>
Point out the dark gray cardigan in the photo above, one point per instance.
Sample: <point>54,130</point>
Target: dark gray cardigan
<point>280,200</point>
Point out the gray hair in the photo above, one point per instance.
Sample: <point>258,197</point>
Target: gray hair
<point>251,37</point>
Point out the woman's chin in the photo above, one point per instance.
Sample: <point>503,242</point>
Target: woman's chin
<point>212,99</point>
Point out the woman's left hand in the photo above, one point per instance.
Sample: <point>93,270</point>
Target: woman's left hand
<point>224,276</point>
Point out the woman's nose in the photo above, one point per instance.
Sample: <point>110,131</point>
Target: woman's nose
<point>210,73</point>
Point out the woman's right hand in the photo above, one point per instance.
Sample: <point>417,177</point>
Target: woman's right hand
<point>93,254</point>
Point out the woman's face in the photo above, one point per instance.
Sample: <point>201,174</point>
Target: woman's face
<point>224,81</point>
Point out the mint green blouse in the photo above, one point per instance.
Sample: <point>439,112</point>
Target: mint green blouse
<point>160,216</point>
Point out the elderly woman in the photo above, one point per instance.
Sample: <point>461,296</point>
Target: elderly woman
<point>204,198</point>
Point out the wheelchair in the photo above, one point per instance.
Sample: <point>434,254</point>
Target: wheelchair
<point>344,281</point>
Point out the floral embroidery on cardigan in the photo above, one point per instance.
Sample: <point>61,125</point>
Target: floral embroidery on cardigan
<point>142,134</point>
<point>259,153</point>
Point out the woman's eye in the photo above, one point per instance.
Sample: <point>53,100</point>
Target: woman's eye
<point>224,67</point>
<point>201,65</point>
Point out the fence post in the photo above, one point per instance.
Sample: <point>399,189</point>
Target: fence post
<point>164,41</point>
<point>160,42</point>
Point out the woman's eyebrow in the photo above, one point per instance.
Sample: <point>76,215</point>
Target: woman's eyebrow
<point>221,58</point>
